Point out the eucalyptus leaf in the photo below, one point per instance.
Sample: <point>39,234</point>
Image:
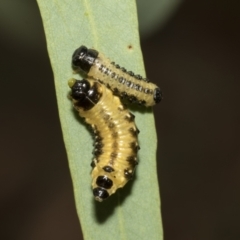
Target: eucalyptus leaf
<point>111,27</point>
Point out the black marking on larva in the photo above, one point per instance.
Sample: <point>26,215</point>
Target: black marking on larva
<point>133,131</point>
<point>123,69</point>
<point>130,73</point>
<point>93,164</point>
<point>146,90</point>
<point>111,125</point>
<point>123,95</point>
<point>132,98</point>
<point>104,182</point>
<point>106,117</point>
<point>128,83</point>
<point>128,174</point>
<point>113,74</point>
<point>101,68</point>
<point>108,169</point>
<point>107,71</point>
<point>139,77</point>
<point>97,135</point>
<point>130,117</point>
<point>98,144</point>
<point>97,152</point>
<point>132,160</point>
<point>117,66</point>
<point>134,146</point>
<point>115,90</point>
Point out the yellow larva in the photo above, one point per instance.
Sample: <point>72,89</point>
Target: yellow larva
<point>116,144</point>
<point>122,82</point>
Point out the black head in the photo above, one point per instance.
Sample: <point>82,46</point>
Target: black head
<point>157,95</point>
<point>80,89</point>
<point>100,194</point>
<point>83,58</point>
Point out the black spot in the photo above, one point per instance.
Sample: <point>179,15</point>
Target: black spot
<point>136,87</point>
<point>122,80</point>
<point>132,98</point>
<point>97,152</point>
<point>104,181</point>
<point>98,138</point>
<point>132,161</point>
<point>130,73</point>
<point>123,95</point>
<point>134,146</point>
<point>134,131</point>
<point>93,164</point>
<point>106,117</point>
<point>101,68</point>
<point>123,69</point>
<point>115,90</point>
<point>117,66</point>
<point>107,72</point>
<point>108,169</point>
<point>98,145</point>
<point>146,90</point>
<point>100,193</point>
<point>130,117</point>
<point>128,83</point>
<point>113,74</point>
<point>141,102</point>
<point>139,77</point>
<point>132,85</point>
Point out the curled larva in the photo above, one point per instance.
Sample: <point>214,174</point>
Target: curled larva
<point>123,83</point>
<point>115,133</point>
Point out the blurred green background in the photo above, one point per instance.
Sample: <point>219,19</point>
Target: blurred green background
<point>191,49</point>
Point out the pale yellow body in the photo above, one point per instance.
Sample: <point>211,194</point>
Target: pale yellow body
<point>110,119</point>
<point>104,76</point>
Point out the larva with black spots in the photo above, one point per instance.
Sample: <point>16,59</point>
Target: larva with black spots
<point>123,83</point>
<point>115,133</point>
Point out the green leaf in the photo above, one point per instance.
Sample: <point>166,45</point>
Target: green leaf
<point>110,26</point>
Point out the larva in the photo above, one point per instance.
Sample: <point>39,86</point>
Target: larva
<point>122,82</point>
<point>115,133</point>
